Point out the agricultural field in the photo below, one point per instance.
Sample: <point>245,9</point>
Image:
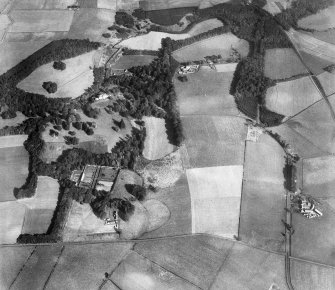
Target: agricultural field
<point>327,81</point>
<point>282,63</point>
<point>27,4</point>
<point>177,199</point>
<point>309,276</point>
<point>88,3</point>
<point>316,125</point>
<point>150,41</point>
<point>108,4</point>
<point>25,20</point>
<point>210,3</point>
<point>314,238</point>
<point>14,170</point>
<point>156,144</point>
<point>206,93</point>
<point>315,63</point>
<point>221,44</point>
<point>195,259</point>
<point>84,266</point>
<point>169,4</point>
<point>136,273</point>
<point>11,261</point>
<point>214,141</point>
<point>263,195</point>
<point>128,61</point>
<point>11,221</point>
<point>158,214</point>
<point>327,36</point>
<point>58,4</point>
<point>215,199</point>
<point>250,268</point>
<point>127,4</point>
<point>205,26</point>
<point>13,122</point>
<point>4,24</point>
<point>91,23</point>
<point>291,97</point>
<point>323,20</point>
<point>71,82</point>
<point>13,52</point>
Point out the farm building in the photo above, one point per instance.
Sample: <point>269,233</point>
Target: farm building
<point>188,69</point>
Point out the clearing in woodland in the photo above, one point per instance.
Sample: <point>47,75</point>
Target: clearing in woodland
<point>215,199</point>
<point>206,93</point>
<point>263,195</point>
<point>216,45</point>
<point>291,97</point>
<point>322,20</point>
<point>156,144</point>
<point>282,63</point>
<point>71,82</point>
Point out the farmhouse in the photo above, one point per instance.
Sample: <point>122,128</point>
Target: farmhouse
<point>307,207</point>
<point>188,69</point>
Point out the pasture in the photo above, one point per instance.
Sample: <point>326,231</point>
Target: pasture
<point>196,258</point>
<point>177,199</point>
<point>83,266</point>
<point>71,82</point>
<point>206,93</point>
<point>13,122</point>
<point>214,141</point>
<point>14,52</point>
<point>205,26</point>
<point>156,144</point>
<point>158,214</point>
<point>322,20</point>
<point>150,41</point>
<point>127,4</point>
<point>48,20</point>
<point>327,36</point>
<point>11,261</point>
<point>282,63</point>
<point>11,220</point>
<point>215,199</point>
<point>14,170</point>
<point>327,81</point>
<point>263,195</point>
<point>221,44</point>
<point>136,272</point>
<point>107,4</point>
<point>128,61</point>
<point>291,97</point>
<point>210,3</point>
<point>316,125</point>
<point>314,238</point>
<point>309,276</point>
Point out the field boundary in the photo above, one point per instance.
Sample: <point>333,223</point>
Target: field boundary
<point>53,268</point>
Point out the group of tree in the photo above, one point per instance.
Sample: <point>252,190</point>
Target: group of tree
<point>124,19</point>
<point>138,191</point>
<point>59,65</point>
<point>50,87</point>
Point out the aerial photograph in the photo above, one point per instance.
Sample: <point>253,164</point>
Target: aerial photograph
<point>167,144</point>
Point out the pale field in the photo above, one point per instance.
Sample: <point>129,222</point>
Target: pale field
<point>221,44</point>
<point>128,4</point>
<point>28,4</point>
<point>12,140</point>
<point>137,273</point>
<point>71,82</point>
<point>206,93</point>
<point>91,23</point>
<point>40,20</point>
<point>31,37</point>
<point>150,41</point>
<point>37,269</point>
<point>37,221</point>
<point>12,122</point>
<point>310,241</point>
<point>158,214</point>
<point>215,199</point>
<point>327,81</point>
<point>291,97</point>
<point>14,52</point>
<point>107,4</point>
<point>4,23</point>
<point>312,45</point>
<point>205,26</point>
<point>14,170</point>
<point>272,7</point>
<point>210,3</point>
<point>83,266</point>
<point>167,4</point>
<point>164,172</point>
<point>322,20</point>
<point>250,268</point>
<point>316,125</point>
<point>177,199</point>
<point>156,143</point>
<point>225,67</point>
<point>214,141</point>
<point>282,63</point>
<point>57,4</point>
<point>263,195</point>
<point>82,221</point>
<point>11,261</point>
<point>194,258</point>
<point>309,276</point>
<point>11,220</point>
<point>315,64</point>
<point>300,144</point>
<point>128,61</point>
